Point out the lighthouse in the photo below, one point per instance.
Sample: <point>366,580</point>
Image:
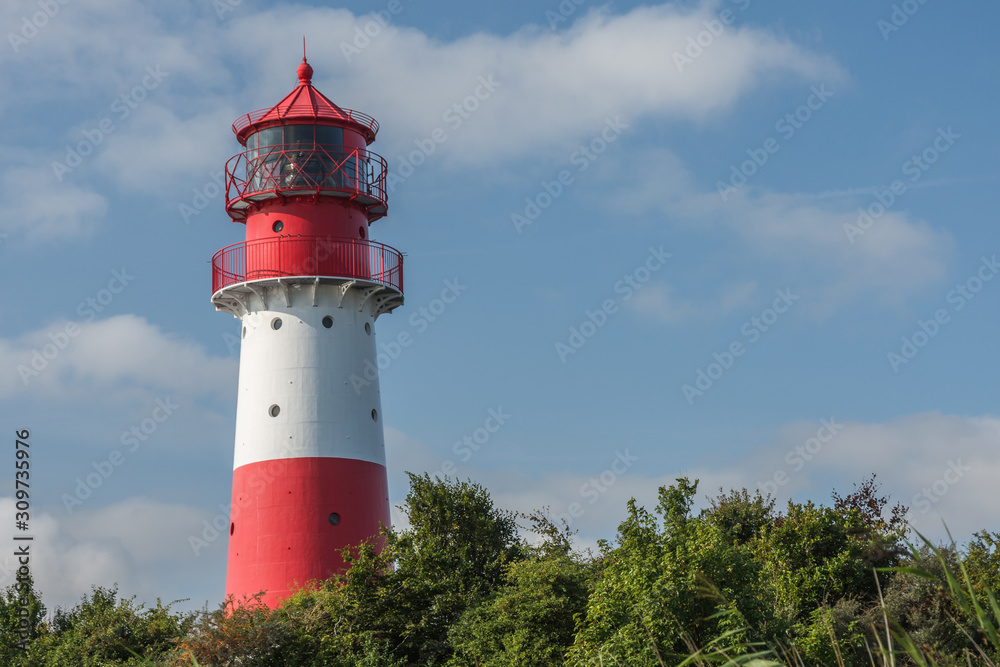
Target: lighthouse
<point>307,285</point>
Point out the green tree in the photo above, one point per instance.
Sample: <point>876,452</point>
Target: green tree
<point>982,560</point>
<point>452,556</point>
<point>741,516</point>
<point>103,630</point>
<point>664,590</point>
<point>530,621</point>
<point>835,635</point>
<point>22,616</point>
<point>349,620</point>
<point>814,556</point>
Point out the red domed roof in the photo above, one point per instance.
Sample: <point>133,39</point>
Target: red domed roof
<point>305,104</point>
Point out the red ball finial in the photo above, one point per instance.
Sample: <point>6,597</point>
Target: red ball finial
<point>305,72</point>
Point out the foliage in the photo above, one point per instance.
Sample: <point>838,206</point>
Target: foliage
<point>833,635</point>
<point>739,570</point>
<point>453,556</point>
<point>740,516</point>
<point>104,630</point>
<point>530,622</point>
<point>21,618</point>
<point>241,633</point>
<point>394,606</point>
<point>812,558</point>
<point>920,603</point>
<point>347,620</point>
<point>815,557</point>
<point>671,582</point>
<point>737,583</point>
<point>871,509</point>
<point>982,561</point>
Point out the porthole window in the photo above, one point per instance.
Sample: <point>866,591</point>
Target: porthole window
<point>277,226</point>
<point>334,519</point>
<point>244,332</point>
<point>274,411</point>
<point>327,321</point>
<point>361,232</point>
<point>368,328</point>
<point>232,528</point>
<point>374,415</point>
<point>276,323</point>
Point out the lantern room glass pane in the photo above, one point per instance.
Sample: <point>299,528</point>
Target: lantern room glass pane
<point>307,157</point>
<point>269,137</point>
<point>328,136</point>
<point>300,134</point>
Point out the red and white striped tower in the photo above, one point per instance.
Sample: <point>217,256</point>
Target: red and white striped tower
<point>309,474</point>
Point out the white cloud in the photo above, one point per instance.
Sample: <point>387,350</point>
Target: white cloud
<point>98,48</point>
<point>909,455</point>
<point>554,88</point>
<point>139,544</point>
<point>799,234</point>
<point>161,150</point>
<point>149,531</point>
<point>899,256</point>
<point>661,303</point>
<point>124,352</point>
<point>736,295</point>
<point>40,208</point>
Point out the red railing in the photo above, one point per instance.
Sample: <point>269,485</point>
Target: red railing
<point>356,117</point>
<point>291,169</point>
<point>308,256</point>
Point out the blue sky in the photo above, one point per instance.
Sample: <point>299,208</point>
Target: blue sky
<point>786,343</point>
